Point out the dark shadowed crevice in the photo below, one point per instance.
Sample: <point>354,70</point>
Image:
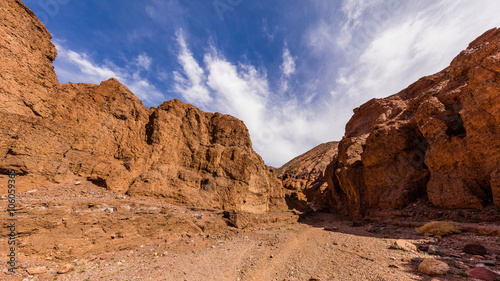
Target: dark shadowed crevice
<point>19,172</point>
<point>98,181</point>
<point>456,127</point>
<point>150,128</point>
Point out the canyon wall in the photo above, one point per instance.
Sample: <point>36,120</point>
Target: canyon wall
<point>437,139</point>
<point>175,152</point>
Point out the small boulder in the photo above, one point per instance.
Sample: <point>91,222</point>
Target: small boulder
<point>482,273</point>
<point>36,270</point>
<point>423,248</point>
<point>488,262</point>
<point>434,250</point>
<point>65,268</point>
<point>433,267</point>
<point>404,245</point>
<point>475,249</point>
<point>371,229</point>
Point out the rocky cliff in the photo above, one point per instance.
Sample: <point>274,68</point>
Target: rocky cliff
<point>105,134</point>
<point>437,139</point>
<point>306,168</point>
<point>305,179</point>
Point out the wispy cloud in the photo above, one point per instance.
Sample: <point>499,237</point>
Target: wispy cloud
<point>288,65</point>
<point>349,52</point>
<point>79,67</point>
<point>191,85</point>
<point>239,90</point>
<point>280,127</point>
<point>144,61</point>
<point>411,41</point>
<point>287,68</point>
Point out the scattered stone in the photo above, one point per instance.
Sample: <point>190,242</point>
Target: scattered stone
<point>405,259</point>
<point>475,249</point>
<point>36,270</point>
<point>434,250</point>
<point>488,262</point>
<point>433,267</point>
<point>314,278</point>
<point>461,265</point>
<point>404,245</point>
<point>78,182</point>
<point>423,248</point>
<point>66,268</point>
<point>331,228</point>
<point>482,274</point>
<point>371,228</point>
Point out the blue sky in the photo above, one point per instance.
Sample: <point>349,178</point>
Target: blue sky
<point>292,70</point>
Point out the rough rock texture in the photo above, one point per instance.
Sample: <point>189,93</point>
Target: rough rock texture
<point>431,266</point>
<point>26,52</point>
<point>482,274</point>
<point>105,134</point>
<point>306,168</point>
<point>439,138</point>
<point>305,176</point>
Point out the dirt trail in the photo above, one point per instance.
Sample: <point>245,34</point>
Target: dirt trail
<point>109,236</point>
<point>311,252</point>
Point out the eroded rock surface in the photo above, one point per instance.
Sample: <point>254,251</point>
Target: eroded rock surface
<point>105,134</point>
<point>306,177</point>
<point>439,138</point>
<point>306,168</point>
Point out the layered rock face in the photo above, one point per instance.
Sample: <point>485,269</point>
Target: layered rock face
<point>439,138</point>
<point>305,177</point>
<point>306,168</point>
<point>105,134</point>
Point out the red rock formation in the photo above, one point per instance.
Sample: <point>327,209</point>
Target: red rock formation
<point>105,134</point>
<point>305,177</point>
<point>306,168</point>
<point>439,138</point>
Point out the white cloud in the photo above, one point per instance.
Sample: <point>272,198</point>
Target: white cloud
<point>421,41</point>
<point>280,127</point>
<point>375,50</point>
<point>71,66</point>
<point>144,61</point>
<point>239,90</point>
<point>380,47</point>
<point>192,86</point>
<point>288,65</point>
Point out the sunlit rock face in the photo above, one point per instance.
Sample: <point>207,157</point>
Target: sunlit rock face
<point>104,133</point>
<point>439,138</point>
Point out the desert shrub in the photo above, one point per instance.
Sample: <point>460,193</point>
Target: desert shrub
<point>439,228</point>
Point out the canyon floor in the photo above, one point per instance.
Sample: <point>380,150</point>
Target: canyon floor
<point>110,236</point>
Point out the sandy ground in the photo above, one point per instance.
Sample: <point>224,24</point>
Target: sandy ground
<point>183,243</point>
